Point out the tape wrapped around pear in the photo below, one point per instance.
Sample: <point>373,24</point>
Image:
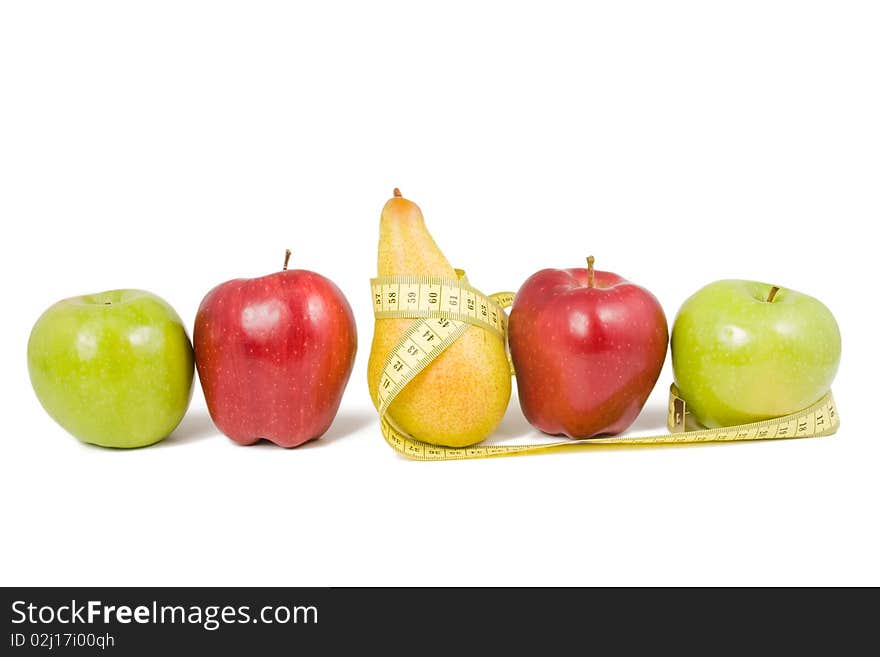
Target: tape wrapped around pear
<point>460,398</point>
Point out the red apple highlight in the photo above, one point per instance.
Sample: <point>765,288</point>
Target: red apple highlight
<point>274,355</point>
<point>587,347</point>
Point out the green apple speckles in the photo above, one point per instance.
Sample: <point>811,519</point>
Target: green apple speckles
<point>114,369</point>
<point>742,352</point>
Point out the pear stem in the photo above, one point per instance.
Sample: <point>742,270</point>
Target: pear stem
<point>397,193</point>
<point>286,259</point>
<point>772,295</point>
<point>591,275</point>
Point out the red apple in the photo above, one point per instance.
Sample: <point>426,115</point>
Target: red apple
<point>587,347</point>
<point>274,355</point>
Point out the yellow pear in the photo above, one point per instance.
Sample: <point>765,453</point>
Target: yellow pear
<point>460,398</point>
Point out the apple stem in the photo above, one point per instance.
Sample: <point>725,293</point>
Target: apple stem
<point>397,193</point>
<point>591,275</point>
<point>286,259</point>
<point>772,295</point>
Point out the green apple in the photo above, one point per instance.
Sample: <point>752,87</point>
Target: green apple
<point>114,369</point>
<point>745,351</point>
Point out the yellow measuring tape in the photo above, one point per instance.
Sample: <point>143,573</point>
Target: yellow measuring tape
<point>446,308</point>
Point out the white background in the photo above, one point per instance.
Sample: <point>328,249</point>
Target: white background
<point>171,146</point>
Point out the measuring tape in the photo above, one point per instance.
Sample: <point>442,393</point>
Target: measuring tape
<point>446,308</point>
